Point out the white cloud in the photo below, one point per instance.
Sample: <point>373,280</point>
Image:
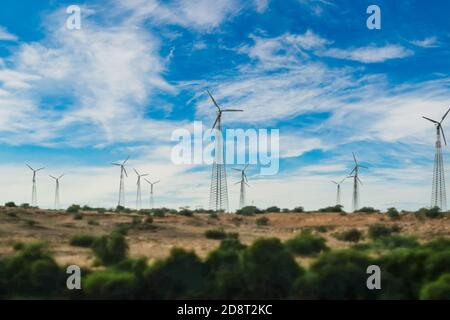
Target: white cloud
<point>430,42</point>
<point>261,5</point>
<point>6,36</point>
<point>370,54</point>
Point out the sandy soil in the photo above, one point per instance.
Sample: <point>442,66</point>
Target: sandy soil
<point>56,228</point>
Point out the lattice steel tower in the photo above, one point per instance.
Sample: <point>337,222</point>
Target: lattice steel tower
<point>438,192</point>
<point>218,197</point>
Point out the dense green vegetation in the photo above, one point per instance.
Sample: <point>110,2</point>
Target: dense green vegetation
<point>266,269</point>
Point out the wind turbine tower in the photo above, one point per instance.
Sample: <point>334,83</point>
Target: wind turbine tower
<point>138,193</point>
<point>338,192</point>
<point>438,192</point>
<point>33,192</point>
<point>356,181</point>
<point>218,197</point>
<point>152,202</point>
<point>57,204</point>
<point>123,174</point>
<point>243,182</point>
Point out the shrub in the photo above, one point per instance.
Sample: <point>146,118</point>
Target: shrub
<point>25,206</point>
<point>398,241</point>
<point>367,210</point>
<point>263,221</point>
<point>216,234</point>
<point>110,285</point>
<point>432,213</point>
<point>93,222</point>
<point>30,223</point>
<point>186,212</point>
<point>393,213</point>
<point>438,290</point>
<point>438,264</point>
<point>11,214</point>
<point>352,235</point>
<point>10,204</point>
<point>377,230</point>
<point>337,208</point>
<point>110,249</point>
<point>85,241</point>
<point>247,211</point>
<point>298,209</point>
<point>336,275</point>
<point>268,270</point>
<point>77,216</point>
<point>273,209</point>
<point>306,244</point>
<point>75,208</point>
<point>167,279</point>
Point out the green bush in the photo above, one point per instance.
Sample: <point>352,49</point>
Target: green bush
<point>216,234</point>
<point>306,244</point>
<point>337,208</point>
<point>10,204</point>
<point>263,221</point>
<point>352,235</point>
<point>298,209</point>
<point>110,249</point>
<point>268,269</point>
<point>367,210</point>
<point>377,230</point>
<point>438,264</point>
<point>75,208</point>
<point>273,209</point>
<point>437,290</point>
<point>78,216</point>
<point>186,212</point>
<point>432,213</point>
<point>247,211</point>
<point>393,213</point>
<point>85,241</point>
<point>397,241</point>
<point>336,275</point>
<point>110,285</point>
<point>181,275</point>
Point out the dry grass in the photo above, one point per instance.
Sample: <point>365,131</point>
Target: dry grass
<point>56,228</point>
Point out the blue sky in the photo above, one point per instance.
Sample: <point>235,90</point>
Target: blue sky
<point>75,100</point>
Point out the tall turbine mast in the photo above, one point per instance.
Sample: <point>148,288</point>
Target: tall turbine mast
<point>218,197</point>
<point>438,192</point>
<point>338,193</point>
<point>123,174</point>
<point>138,192</point>
<point>57,204</point>
<point>33,191</point>
<point>243,182</point>
<point>354,174</point>
<point>152,202</point>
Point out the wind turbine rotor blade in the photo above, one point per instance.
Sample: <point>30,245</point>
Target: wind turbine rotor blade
<point>445,115</point>
<point>443,135</point>
<point>434,121</point>
<point>144,175</point>
<point>363,167</point>
<point>147,181</point>
<point>52,176</point>
<point>136,172</point>
<point>247,184</point>
<point>125,170</point>
<point>29,167</point>
<point>236,169</point>
<point>232,110</point>
<point>245,176</point>
<point>359,180</point>
<point>246,166</point>
<point>123,163</point>
<point>61,176</point>
<point>237,182</point>
<point>354,158</point>
<point>334,182</point>
<point>352,171</point>
<point>40,169</point>
<point>342,180</point>
<point>215,122</point>
<point>214,101</point>
<point>156,182</point>
<point>116,164</point>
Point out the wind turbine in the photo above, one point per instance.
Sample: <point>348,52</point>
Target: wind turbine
<point>338,195</point>
<point>57,190</point>
<point>243,182</point>
<point>121,185</point>
<point>218,197</point>
<point>354,174</point>
<point>33,192</point>
<point>438,192</point>
<point>151,192</point>
<point>138,194</point>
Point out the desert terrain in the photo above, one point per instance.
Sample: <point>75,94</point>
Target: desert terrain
<point>155,241</point>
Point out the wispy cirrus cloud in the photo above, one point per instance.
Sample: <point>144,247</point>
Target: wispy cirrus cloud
<point>430,42</point>
<point>370,54</point>
<point>7,36</point>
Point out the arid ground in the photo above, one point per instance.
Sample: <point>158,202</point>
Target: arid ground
<point>57,228</point>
